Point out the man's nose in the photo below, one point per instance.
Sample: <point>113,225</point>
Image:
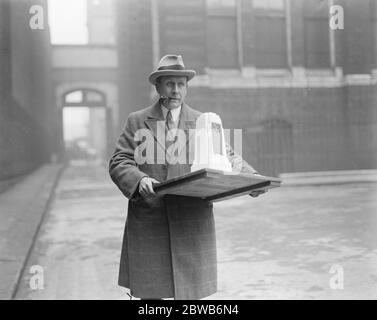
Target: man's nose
<point>175,88</point>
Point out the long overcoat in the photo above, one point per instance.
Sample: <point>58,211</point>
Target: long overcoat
<point>169,243</point>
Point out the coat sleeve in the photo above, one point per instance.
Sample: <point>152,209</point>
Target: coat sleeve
<point>238,164</point>
<point>122,166</point>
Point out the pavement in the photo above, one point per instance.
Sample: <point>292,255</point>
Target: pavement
<point>293,242</point>
<point>329,177</point>
<point>22,208</point>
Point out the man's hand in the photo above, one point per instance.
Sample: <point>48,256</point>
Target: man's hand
<point>146,187</point>
<point>256,193</point>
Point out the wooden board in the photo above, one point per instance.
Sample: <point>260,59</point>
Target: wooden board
<point>215,185</point>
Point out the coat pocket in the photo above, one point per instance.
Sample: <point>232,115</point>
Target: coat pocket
<point>147,208</point>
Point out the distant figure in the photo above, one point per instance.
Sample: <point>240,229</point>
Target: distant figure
<point>169,244</point>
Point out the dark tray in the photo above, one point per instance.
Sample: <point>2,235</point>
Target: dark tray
<point>215,185</point>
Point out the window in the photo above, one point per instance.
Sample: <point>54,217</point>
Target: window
<point>220,6</point>
<point>74,97</point>
<point>101,21</point>
<point>269,4</point>
<point>94,97</point>
<point>85,97</point>
<point>316,34</point>
<point>68,22</point>
<point>270,34</point>
<point>222,34</point>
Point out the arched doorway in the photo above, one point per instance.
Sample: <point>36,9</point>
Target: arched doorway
<point>86,125</point>
<point>270,145</point>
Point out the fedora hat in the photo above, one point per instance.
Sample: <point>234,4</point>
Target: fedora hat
<point>171,65</point>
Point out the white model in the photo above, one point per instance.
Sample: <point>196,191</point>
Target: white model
<point>210,151</point>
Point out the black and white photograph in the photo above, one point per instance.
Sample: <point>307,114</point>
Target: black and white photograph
<point>218,150</point>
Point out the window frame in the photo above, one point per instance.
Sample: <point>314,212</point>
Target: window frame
<point>236,14</point>
<point>85,101</point>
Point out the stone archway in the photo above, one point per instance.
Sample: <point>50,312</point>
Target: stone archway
<point>86,124</point>
<point>94,93</point>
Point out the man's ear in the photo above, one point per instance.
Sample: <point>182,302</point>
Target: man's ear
<point>157,86</point>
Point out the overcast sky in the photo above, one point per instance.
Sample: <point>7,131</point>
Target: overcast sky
<point>67,20</point>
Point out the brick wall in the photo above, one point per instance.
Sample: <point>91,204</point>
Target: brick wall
<point>26,98</point>
<point>135,55</point>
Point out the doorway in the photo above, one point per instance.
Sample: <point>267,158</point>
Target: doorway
<point>86,126</point>
<point>270,146</point>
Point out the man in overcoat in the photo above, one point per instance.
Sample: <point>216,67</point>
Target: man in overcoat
<point>169,244</point>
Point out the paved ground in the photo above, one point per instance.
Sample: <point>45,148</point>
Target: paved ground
<point>278,246</point>
<point>22,207</point>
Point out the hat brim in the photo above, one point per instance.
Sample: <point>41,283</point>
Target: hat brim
<point>180,73</point>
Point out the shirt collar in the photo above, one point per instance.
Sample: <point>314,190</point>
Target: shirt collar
<point>174,112</point>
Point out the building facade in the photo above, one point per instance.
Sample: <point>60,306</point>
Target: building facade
<point>26,101</point>
<point>88,71</point>
<point>304,95</point>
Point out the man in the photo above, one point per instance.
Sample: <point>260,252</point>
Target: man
<point>169,244</point>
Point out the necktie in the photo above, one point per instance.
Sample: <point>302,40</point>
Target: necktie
<point>170,128</point>
<point>169,120</point>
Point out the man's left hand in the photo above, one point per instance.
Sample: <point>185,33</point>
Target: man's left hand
<point>256,193</point>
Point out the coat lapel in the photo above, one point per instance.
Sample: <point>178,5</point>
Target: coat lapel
<point>156,123</point>
<point>187,122</point>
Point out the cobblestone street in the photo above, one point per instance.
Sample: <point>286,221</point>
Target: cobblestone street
<point>278,246</point>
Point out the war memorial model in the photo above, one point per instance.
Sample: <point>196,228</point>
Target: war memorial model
<point>211,177</point>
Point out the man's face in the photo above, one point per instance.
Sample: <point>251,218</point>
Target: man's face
<point>173,90</point>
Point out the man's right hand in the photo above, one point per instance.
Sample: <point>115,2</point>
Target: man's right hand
<point>146,187</point>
